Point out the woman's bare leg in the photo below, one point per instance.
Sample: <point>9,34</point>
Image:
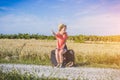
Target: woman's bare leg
<point>57,56</point>
<point>61,56</point>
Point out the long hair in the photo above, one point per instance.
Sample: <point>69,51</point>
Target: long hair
<point>61,26</point>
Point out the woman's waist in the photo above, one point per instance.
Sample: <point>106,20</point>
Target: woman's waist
<point>60,46</point>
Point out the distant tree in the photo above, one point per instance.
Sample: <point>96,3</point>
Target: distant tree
<point>76,38</point>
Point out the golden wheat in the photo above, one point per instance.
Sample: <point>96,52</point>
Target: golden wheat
<point>94,52</point>
<point>45,46</point>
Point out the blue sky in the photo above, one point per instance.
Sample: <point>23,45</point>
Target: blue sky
<point>89,17</point>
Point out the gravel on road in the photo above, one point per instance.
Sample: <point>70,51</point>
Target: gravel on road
<point>76,73</point>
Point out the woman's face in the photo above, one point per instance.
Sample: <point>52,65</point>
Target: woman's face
<point>63,30</point>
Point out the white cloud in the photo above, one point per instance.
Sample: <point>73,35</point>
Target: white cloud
<point>103,19</point>
<point>62,0</point>
<point>104,24</point>
<point>102,7</point>
<point>87,10</point>
<point>23,24</point>
<point>29,24</point>
<point>6,8</point>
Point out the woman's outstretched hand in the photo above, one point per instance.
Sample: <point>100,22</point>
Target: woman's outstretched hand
<point>53,33</point>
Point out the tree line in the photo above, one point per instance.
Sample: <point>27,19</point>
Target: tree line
<point>76,38</point>
<point>83,38</point>
<point>25,36</point>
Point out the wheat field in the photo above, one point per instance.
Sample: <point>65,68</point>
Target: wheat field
<point>97,54</point>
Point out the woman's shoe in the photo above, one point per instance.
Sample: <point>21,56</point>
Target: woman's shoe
<point>70,64</point>
<point>58,65</point>
<point>61,65</point>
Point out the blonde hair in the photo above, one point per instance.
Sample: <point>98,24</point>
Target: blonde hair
<point>61,26</point>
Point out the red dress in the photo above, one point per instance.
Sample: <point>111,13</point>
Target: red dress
<point>61,40</point>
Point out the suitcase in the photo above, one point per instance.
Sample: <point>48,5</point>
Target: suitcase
<point>68,58</point>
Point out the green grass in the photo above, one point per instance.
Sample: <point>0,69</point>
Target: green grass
<point>16,75</point>
<point>98,60</point>
<point>89,60</point>
<point>26,62</point>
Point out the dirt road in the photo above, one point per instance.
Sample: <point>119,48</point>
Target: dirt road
<point>69,73</point>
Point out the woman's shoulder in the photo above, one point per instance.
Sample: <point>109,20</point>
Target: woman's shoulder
<point>57,33</point>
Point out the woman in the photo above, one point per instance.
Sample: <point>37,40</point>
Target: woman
<point>61,37</point>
